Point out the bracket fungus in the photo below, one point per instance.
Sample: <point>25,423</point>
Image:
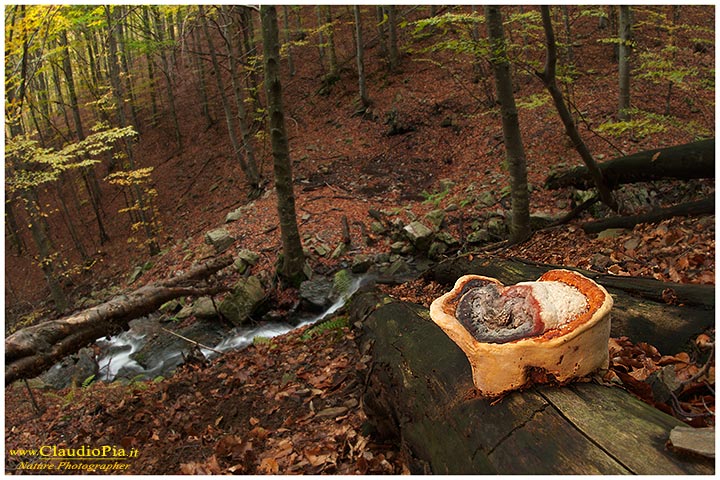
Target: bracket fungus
<point>554,328</point>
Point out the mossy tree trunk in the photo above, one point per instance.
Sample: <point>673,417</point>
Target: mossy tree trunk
<point>293,259</point>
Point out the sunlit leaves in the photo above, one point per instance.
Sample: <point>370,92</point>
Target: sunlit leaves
<point>29,165</point>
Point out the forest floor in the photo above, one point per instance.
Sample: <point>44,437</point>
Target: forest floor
<point>292,405</point>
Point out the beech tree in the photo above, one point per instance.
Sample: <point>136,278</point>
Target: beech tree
<point>624,47</point>
<point>293,258</point>
<point>364,100</point>
<point>514,150</point>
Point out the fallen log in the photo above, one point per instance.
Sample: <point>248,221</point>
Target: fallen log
<point>419,393</point>
<point>684,162</point>
<point>640,311</point>
<point>700,207</point>
<point>32,350</point>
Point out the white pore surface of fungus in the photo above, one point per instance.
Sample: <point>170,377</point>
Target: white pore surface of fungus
<point>559,302</point>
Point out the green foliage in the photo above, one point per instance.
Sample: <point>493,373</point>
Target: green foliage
<point>28,165</point>
<point>437,197</point>
<point>645,123</point>
<point>141,209</point>
<point>658,67</point>
<point>336,323</point>
<point>533,101</point>
<point>86,383</point>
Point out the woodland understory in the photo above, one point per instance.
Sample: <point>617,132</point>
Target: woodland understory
<point>429,137</point>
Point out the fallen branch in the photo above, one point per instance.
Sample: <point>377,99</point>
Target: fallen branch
<point>193,342</point>
<point>684,162</point>
<point>700,207</point>
<point>32,350</point>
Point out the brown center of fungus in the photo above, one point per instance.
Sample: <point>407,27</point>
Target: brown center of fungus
<point>496,314</point>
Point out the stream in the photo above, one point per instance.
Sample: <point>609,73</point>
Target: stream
<point>120,354</point>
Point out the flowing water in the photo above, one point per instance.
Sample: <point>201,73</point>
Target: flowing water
<point>117,351</point>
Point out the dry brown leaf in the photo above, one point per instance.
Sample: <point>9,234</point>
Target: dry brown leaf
<point>269,466</point>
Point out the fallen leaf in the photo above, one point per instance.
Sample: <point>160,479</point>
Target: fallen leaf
<point>269,466</point>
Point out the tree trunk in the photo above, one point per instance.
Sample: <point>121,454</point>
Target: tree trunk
<point>382,31</point>
<point>293,259</point>
<point>419,394</point>
<point>200,74</point>
<point>321,38</point>
<point>514,151</point>
<point>250,176</point>
<point>232,34</point>
<point>683,162</point>
<point>167,72</point>
<point>393,55</point>
<point>364,101</point>
<point>32,350</point>
<point>47,254</point>
<point>624,48</point>
<point>147,29</point>
<point>548,77</point>
<point>332,56</point>
<point>127,73</point>
<point>288,39</point>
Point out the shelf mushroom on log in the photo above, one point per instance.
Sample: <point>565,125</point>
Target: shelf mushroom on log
<point>556,328</point>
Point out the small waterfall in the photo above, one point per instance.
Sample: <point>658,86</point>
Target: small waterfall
<point>117,354</point>
<point>118,349</point>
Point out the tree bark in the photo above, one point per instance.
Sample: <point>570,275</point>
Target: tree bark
<point>683,162</point>
<point>419,394</point>
<point>32,350</point>
<point>700,207</point>
<point>293,259</point>
<point>288,39</point>
<point>332,56</point>
<point>393,54</point>
<point>362,89</point>
<point>548,77</point>
<point>624,47</point>
<point>514,151</point>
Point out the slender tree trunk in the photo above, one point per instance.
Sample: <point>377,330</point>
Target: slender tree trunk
<point>548,77</point>
<point>231,34</point>
<point>360,57</point>
<point>288,40</point>
<point>150,67</point>
<point>250,175</point>
<point>624,27</point>
<point>514,151</point>
<point>382,31</point>
<point>47,255</point>
<point>394,56</point>
<point>321,38</point>
<point>12,227</point>
<point>332,57</point>
<point>59,99</point>
<point>127,73</point>
<point>167,72</point>
<point>67,69</point>
<point>247,51</point>
<point>67,218</point>
<point>200,74</point>
<point>293,259</point>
